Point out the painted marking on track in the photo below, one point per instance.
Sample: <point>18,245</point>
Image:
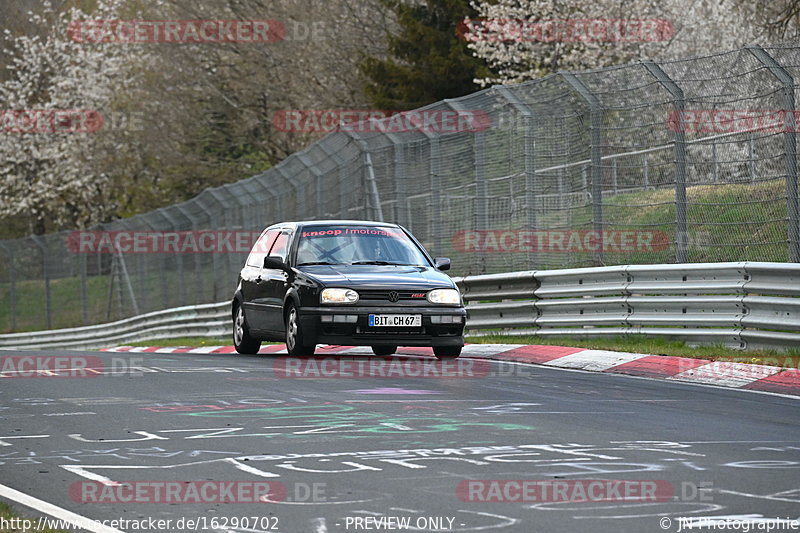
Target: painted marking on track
<point>206,349</point>
<point>21,437</point>
<point>53,510</point>
<point>595,360</point>
<point>726,373</point>
<point>390,390</point>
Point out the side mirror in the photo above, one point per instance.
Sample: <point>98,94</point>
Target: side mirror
<point>275,262</point>
<point>442,263</point>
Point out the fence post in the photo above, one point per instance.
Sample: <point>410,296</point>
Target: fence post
<point>196,277</point>
<point>374,211</point>
<point>596,144</point>
<point>531,184</point>
<point>340,164</point>
<point>435,184</point>
<point>789,144</point>
<point>12,287</point>
<point>145,299</point>
<point>318,208</point>
<point>402,214</point>
<point>679,104</point>
<point>164,212</point>
<point>300,199</point>
<point>266,198</point>
<point>46,275</point>
<point>201,201</point>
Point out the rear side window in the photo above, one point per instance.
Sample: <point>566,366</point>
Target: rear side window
<point>261,248</point>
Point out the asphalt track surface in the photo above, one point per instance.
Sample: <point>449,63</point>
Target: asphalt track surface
<point>372,453</point>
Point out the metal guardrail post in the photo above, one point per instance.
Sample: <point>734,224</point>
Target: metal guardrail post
<point>531,184</point>
<point>596,131</point>
<point>12,287</point>
<point>679,104</point>
<point>789,145</point>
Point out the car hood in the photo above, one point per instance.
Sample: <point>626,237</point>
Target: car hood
<point>378,277</point>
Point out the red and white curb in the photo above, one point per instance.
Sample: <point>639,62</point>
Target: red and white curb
<point>722,373</point>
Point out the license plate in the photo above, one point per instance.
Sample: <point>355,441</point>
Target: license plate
<point>393,321</point>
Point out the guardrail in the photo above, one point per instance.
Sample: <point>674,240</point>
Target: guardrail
<point>207,320</point>
<point>741,305</point>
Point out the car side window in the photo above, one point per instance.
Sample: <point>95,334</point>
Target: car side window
<point>281,246</point>
<point>261,247</point>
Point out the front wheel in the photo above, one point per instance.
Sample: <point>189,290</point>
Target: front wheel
<point>447,352</point>
<point>296,342</point>
<point>242,341</point>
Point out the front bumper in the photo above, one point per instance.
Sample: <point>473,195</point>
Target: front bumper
<point>359,333</point>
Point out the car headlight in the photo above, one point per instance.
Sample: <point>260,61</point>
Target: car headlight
<point>444,296</point>
<point>339,296</point>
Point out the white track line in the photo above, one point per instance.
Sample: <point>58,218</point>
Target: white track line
<point>53,510</point>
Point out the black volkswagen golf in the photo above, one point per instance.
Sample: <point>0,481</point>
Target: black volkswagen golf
<point>350,283</point>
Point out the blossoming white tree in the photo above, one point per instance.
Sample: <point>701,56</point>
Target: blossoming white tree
<point>692,28</point>
<point>49,173</point>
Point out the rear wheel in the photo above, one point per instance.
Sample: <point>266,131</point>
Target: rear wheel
<point>384,350</point>
<point>447,352</point>
<point>242,340</point>
<point>296,342</point>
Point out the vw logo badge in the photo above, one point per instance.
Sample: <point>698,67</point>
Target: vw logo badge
<point>393,296</point>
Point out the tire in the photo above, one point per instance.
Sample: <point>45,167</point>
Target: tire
<point>384,350</point>
<point>242,341</point>
<point>447,352</point>
<point>296,342</point>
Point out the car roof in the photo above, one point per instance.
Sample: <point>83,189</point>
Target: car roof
<point>333,222</point>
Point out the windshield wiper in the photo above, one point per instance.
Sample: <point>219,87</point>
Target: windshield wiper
<point>317,263</point>
<point>380,263</point>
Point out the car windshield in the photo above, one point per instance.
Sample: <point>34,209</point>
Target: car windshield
<point>365,245</point>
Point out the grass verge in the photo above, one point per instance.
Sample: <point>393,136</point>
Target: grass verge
<point>9,517</point>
